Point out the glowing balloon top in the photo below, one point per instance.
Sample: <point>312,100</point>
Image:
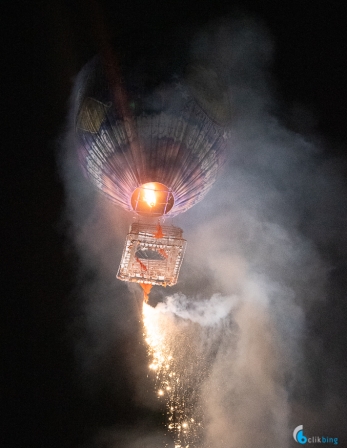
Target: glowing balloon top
<point>156,152</point>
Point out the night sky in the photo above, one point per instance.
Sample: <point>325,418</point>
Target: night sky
<point>46,403</point>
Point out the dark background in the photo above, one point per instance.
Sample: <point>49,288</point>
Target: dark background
<point>45,45</point>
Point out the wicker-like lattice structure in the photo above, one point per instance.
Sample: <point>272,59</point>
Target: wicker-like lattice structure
<point>149,259</point>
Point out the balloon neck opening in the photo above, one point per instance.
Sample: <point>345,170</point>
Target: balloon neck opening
<point>152,199</point>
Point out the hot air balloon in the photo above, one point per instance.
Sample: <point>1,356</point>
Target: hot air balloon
<point>153,151</point>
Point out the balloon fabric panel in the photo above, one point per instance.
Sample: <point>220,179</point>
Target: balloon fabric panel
<point>165,136</point>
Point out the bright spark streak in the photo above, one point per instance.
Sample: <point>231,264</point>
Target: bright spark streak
<point>161,337</point>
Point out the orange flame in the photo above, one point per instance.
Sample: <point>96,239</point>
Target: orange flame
<point>142,265</point>
<point>159,233</point>
<point>149,195</point>
<point>146,290</point>
<point>163,253</point>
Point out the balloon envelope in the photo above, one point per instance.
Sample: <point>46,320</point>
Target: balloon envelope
<point>129,137</point>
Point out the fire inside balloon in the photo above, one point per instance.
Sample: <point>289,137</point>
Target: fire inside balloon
<point>155,152</point>
<point>152,199</point>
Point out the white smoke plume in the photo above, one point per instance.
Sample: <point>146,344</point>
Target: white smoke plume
<point>257,263</point>
<point>205,313</point>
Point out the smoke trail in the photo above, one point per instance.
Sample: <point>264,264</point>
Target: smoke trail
<point>254,269</point>
<point>205,313</point>
<point>276,214</point>
<point>257,239</point>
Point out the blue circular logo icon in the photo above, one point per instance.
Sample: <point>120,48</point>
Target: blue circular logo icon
<point>298,435</point>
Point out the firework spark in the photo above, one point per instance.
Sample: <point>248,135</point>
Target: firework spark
<point>172,361</point>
